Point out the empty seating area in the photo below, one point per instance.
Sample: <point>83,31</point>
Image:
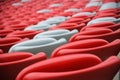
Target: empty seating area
<point>59,39</point>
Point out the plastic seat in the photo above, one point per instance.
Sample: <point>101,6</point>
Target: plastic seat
<point>68,63</point>
<point>93,3</point>
<point>109,25</point>
<point>20,26</point>
<point>107,13</point>
<point>12,63</point>
<point>72,67</point>
<point>83,17</point>
<point>68,26</point>
<point>99,47</point>
<point>84,14</point>
<point>4,33</point>
<point>91,9</point>
<point>6,43</point>
<point>101,33</point>
<point>34,46</point>
<point>57,34</point>
<point>24,34</point>
<point>56,20</point>
<point>40,26</point>
<point>107,4</point>
<point>78,20</point>
<point>102,19</point>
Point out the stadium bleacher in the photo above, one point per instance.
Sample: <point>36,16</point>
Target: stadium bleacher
<point>59,39</point>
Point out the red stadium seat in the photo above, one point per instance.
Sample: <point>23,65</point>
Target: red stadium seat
<point>109,25</point>
<point>12,63</point>
<point>101,33</point>
<point>24,34</point>
<point>99,47</point>
<point>72,67</point>
<point>6,43</point>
